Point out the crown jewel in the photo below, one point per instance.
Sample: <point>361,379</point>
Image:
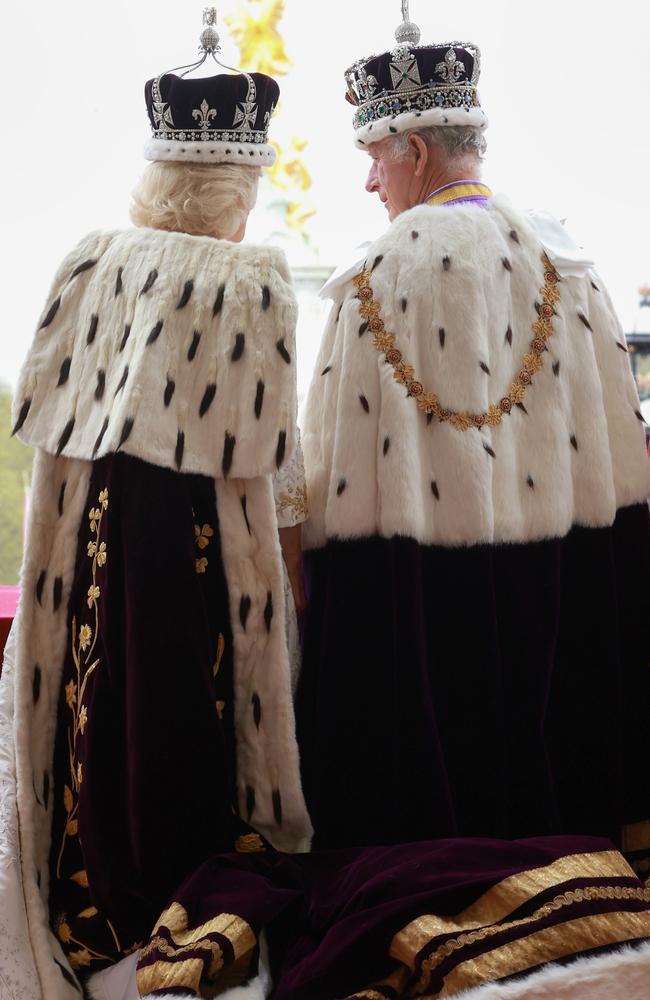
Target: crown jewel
<point>413,85</point>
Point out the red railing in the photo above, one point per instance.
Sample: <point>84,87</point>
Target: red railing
<point>8,604</point>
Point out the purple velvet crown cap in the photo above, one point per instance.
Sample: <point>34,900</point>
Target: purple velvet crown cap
<point>216,119</point>
<point>413,86</point>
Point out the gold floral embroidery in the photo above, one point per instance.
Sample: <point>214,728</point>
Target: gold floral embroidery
<point>295,499</point>
<point>221,646</point>
<point>83,648</point>
<point>428,402</point>
<point>202,536</point>
<point>249,843</point>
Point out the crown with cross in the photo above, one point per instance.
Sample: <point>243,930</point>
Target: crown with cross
<point>412,86</point>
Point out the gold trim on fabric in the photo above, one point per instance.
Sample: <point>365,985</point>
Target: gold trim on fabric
<point>428,402</point>
<point>558,903</point>
<point>452,193</point>
<point>183,974</point>
<point>546,945</point>
<point>505,897</point>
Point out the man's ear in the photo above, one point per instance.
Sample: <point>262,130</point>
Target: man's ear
<point>421,150</point>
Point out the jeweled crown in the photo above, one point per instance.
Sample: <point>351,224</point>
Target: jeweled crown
<point>216,119</point>
<point>414,85</point>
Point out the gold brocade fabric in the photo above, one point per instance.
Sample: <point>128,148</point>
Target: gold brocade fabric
<point>215,954</point>
<point>576,904</point>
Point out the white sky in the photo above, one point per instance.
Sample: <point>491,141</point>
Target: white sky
<point>565,83</point>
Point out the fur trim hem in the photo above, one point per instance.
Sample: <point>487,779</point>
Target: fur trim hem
<point>409,120</point>
<point>623,974</point>
<point>246,154</point>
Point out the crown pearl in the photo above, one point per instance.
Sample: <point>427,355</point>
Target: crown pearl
<point>408,33</point>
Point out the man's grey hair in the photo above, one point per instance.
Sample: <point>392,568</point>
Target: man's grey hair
<point>458,142</point>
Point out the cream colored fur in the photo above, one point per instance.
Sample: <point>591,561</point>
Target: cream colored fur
<point>619,975</point>
<point>481,499</point>
<point>268,758</point>
<point>243,272</point>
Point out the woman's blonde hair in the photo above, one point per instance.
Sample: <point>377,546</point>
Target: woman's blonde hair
<point>195,198</point>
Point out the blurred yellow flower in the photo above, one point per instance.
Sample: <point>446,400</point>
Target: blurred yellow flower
<point>261,46</point>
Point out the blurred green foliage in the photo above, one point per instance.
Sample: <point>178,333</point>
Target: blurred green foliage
<point>15,476</point>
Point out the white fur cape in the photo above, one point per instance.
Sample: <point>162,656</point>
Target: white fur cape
<point>178,350</point>
<point>459,289</point>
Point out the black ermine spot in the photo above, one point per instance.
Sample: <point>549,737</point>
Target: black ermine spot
<point>92,329</point>
<point>208,399</point>
<point>282,351</point>
<point>155,333</point>
<point>180,449</point>
<point>65,436</point>
<point>239,348</point>
<point>228,453</point>
<point>100,437</point>
<point>150,282</point>
<point>281,449</point>
<point>127,427</point>
<point>22,416</point>
<point>64,372</point>
<point>194,346</point>
<point>187,294</point>
<point>259,399</point>
<point>244,610</point>
<point>86,266</point>
<point>218,302</point>
<point>51,313</point>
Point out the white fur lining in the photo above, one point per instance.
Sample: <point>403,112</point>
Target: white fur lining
<point>620,975</point>
<point>408,120</point>
<point>247,154</point>
<point>464,320</point>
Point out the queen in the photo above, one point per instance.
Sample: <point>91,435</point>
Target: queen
<point>147,712</point>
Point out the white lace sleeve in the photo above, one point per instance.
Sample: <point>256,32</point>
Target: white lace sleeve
<point>290,491</point>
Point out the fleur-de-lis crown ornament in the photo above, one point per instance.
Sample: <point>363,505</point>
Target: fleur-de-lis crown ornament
<point>413,85</point>
<point>214,119</point>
